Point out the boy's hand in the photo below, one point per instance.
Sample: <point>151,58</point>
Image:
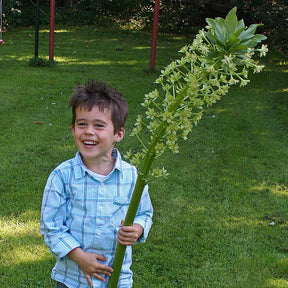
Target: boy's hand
<point>89,264</point>
<point>128,235</point>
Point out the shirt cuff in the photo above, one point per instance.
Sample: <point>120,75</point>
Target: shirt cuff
<point>64,246</point>
<point>146,228</point>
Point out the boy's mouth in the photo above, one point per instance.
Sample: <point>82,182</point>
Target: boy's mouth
<point>89,142</point>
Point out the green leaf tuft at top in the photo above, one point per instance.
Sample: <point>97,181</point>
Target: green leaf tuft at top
<point>230,35</point>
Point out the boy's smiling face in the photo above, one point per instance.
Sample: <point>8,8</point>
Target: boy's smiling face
<point>93,132</point>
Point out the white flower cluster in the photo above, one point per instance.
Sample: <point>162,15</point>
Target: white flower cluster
<point>199,78</point>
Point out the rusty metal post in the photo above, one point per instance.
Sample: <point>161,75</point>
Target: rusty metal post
<point>154,37</point>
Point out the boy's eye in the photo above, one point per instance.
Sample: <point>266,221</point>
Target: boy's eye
<point>81,124</point>
<point>98,125</point>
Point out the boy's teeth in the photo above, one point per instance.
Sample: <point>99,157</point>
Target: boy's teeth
<point>89,142</point>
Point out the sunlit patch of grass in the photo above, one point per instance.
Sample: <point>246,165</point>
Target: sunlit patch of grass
<point>276,283</point>
<point>58,30</point>
<point>25,253</point>
<point>21,238</point>
<point>280,189</point>
<point>141,47</point>
<point>20,225</point>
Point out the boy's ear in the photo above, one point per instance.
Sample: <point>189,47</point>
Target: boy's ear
<point>72,128</point>
<point>119,134</point>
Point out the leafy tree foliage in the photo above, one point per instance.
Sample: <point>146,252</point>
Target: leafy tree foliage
<point>176,16</point>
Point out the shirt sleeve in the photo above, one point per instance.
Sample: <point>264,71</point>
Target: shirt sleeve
<point>144,215</point>
<point>53,217</point>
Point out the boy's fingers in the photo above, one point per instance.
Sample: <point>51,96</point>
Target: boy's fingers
<point>97,276</point>
<point>101,257</point>
<point>104,269</point>
<point>127,229</point>
<point>130,233</point>
<point>126,242</point>
<point>88,277</point>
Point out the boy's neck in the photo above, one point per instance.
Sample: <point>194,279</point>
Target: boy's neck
<point>102,168</point>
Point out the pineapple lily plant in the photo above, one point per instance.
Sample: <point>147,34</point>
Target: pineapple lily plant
<point>219,57</point>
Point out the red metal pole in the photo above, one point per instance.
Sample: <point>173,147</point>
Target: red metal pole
<point>51,35</point>
<point>155,32</point>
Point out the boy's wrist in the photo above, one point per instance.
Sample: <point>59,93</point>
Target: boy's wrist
<point>140,229</point>
<point>76,254</point>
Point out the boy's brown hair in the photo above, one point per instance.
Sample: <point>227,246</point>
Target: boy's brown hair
<point>102,95</point>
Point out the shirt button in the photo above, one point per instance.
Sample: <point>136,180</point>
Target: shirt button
<point>100,208</point>
<point>102,184</point>
<point>98,233</point>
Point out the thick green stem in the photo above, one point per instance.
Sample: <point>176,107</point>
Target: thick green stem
<point>120,250</point>
<point>129,219</point>
<point>138,190</point>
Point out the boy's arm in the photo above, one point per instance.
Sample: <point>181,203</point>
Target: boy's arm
<point>53,218</point>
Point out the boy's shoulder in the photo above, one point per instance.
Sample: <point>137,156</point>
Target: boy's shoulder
<point>69,163</point>
<point>67,166</point>
<point>124,164</point>
<point>128,169</point>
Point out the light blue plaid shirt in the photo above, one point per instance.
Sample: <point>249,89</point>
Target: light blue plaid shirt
<point>80,210</point>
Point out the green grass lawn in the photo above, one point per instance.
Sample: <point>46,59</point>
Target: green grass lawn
<point>220,218</point>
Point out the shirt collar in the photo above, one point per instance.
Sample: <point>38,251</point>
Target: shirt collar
<point>81,170</point>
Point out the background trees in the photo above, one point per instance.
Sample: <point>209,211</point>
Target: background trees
<point>176,16</point>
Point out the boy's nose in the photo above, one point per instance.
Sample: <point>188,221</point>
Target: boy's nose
<point>89,130</point>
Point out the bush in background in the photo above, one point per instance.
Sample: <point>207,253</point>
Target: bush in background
<point>176,16</point>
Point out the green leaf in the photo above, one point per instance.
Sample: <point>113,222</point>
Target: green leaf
<point>221,32</point>
<point>248,33</point>
<point>219,29</point>
<point>211,37</point>
<point>233,41</point>
<point>238,32</point>
<point>254,41</point>
<point>241,48</point>
<point>231,21</point>
<point>260,37</point>
<point>210,22</point>
<point>240,25</point>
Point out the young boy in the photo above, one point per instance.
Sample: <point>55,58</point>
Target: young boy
<point>87,197</point>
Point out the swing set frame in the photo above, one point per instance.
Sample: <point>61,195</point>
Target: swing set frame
<point>1,27</point>
<point>154,38</point>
